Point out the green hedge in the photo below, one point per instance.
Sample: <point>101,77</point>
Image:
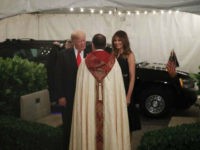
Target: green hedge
<point>18,77</point>
<point>184,137</point>
<point>16,134</point>
<point>196,76</point>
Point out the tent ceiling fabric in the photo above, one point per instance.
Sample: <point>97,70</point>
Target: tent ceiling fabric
<point>152,37</point>
<point>10,8</point>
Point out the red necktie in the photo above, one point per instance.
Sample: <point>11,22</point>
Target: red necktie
<point>78,59</point>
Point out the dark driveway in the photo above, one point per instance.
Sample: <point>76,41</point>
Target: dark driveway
<point>149,124</point>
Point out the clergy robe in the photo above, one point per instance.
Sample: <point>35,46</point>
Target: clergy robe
<point>115,127</point>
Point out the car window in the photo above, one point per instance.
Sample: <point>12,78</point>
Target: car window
<point>33,50</point>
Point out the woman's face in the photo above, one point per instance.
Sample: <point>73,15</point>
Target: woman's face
<point>118,44</point>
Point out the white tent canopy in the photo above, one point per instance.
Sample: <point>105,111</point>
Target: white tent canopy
<point>10,7</point>
<point>152,35</point>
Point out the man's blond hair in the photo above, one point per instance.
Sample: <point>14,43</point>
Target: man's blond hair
<point>77,34</point>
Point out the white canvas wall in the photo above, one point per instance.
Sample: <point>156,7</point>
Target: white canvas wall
<point>152,36</point>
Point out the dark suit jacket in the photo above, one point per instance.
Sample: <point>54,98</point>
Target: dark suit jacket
<point>51,71</point>
<point>66,73</point>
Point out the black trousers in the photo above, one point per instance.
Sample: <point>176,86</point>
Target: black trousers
<point>134,118</point>
<point>67,121</point>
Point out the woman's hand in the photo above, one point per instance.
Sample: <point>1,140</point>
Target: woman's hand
<point>128,100</point>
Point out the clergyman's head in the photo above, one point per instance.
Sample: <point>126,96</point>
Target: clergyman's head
<point>99,41</point>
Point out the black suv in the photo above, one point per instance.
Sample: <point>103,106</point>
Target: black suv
<point>155,91</point>
<point>30,49</point>
<point>158,93</point>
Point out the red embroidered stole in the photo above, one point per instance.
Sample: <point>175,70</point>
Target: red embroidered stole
<point>99,63</point>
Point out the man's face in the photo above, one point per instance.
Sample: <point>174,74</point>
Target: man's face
<point>80,43</point>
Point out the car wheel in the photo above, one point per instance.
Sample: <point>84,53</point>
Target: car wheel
<point>156,102</point>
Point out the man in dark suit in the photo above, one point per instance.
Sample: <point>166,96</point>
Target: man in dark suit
<point>67,66</point>
<point>51,65</point>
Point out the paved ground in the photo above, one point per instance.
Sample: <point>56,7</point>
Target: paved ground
<point>149,124</point>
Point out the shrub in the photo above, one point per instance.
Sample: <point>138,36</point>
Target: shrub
<point>184,137</point>
<point>17,134</point>
<point>196,76</point>
<point>18,77</point>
